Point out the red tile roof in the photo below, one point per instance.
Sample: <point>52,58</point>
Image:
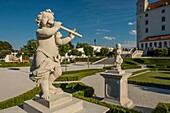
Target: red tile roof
<point>156,38</point>
<point>157,4</point>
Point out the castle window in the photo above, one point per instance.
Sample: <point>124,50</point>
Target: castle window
<point>163,19</point>
<point>146,30</point>
<point>146,15</point>
<point>163,27</point>
<point>160,44</point>
<point>163,10</point>
<point>150,44</point>
<point>155,44</point>
<point>165,44</point>
<point>146,22</point>
<point>146,45</point>
<point>142,45</point>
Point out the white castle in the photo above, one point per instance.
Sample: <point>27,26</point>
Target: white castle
<point>153,24</point>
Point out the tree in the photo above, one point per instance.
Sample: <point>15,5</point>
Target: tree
<point>104,51</point>
<point>63,50</point>
<point>30,48</point>
<point>161,52</point>
<point>5,46</point>
<point>88,50</point>
<point>5,49</point>
<point>81,45</point>
<point>3,53</point>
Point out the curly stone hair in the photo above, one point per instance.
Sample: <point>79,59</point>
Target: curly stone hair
<point>40,15</point>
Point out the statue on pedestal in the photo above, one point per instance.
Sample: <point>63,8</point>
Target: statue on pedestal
<point>118,58</point>
<point>46,66</point>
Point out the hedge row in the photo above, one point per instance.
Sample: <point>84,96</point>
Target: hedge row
<point>77,75</point>
<point>80,91</point>
<point>91,59</point>
<point>164,86</point>
<point>140,71</point>
<point>113,108</point>
<point>19,99</point>
<point>124,66</point>
<point>10,64</point>
<point>157,61</point>
<point>162,108</point>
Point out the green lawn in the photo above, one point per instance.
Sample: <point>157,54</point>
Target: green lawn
<point>77,75</point>
<point>159,79</point>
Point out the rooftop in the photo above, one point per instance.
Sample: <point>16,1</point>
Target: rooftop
<point>157,4</point>
<point>156,38</point>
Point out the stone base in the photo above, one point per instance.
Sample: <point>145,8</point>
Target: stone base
<point>116,72</point>
<point>62,103</point>
<point>116,88</point>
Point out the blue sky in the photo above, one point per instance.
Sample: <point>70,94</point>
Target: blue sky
<point>107,21</point>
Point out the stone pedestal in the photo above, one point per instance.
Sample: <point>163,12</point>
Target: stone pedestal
<point>116,88</point>
<point>62,103</point>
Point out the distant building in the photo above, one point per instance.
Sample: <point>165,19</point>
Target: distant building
<point>153,24</point>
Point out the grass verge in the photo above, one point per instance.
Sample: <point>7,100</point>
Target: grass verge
<point>159,79</point>
<point>77,75</point>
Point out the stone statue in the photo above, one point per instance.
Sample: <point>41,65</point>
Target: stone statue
<point>46,66</point>
<point>118,58</point>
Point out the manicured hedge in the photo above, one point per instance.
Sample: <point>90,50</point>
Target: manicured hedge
<point>10,64</point>
<point>141,71</point>
<point>113,108</point>
<point>91,59</point>
<point>19,99</point>
<point>162,108</point>
<point>149,84</point>
<point>77,75</point>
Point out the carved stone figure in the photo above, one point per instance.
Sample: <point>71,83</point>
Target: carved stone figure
<point>46,66</point>
<point>118,58</point>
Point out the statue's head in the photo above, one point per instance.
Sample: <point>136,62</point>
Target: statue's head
<point>45,19</point>
<point>118,46</point>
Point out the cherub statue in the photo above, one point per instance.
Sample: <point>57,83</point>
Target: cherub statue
<point>118,58</point>
<point>46,66</point>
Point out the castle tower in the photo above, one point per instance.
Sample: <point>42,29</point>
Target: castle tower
<point>142,6</point>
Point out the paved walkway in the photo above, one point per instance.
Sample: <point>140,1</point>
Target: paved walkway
<point>14,81</point>
<point>144,98</point>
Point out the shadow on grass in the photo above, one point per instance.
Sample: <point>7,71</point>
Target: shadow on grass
<point>162,78</point>
<point>154,89</point>
<point>13,68</point>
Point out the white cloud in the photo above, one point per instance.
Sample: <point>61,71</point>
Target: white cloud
<point>99,33</point>
<point>109,38</point>
<point>129,44</point>
<point>132,32</point>
<point>103,30</point>
<point>131,23</point>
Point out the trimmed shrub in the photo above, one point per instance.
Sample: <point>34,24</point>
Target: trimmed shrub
<point>162,108</point>
<point>10,64</point>
<point>19,99</point>
<point>77,75</point>
<point>113,108</point>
